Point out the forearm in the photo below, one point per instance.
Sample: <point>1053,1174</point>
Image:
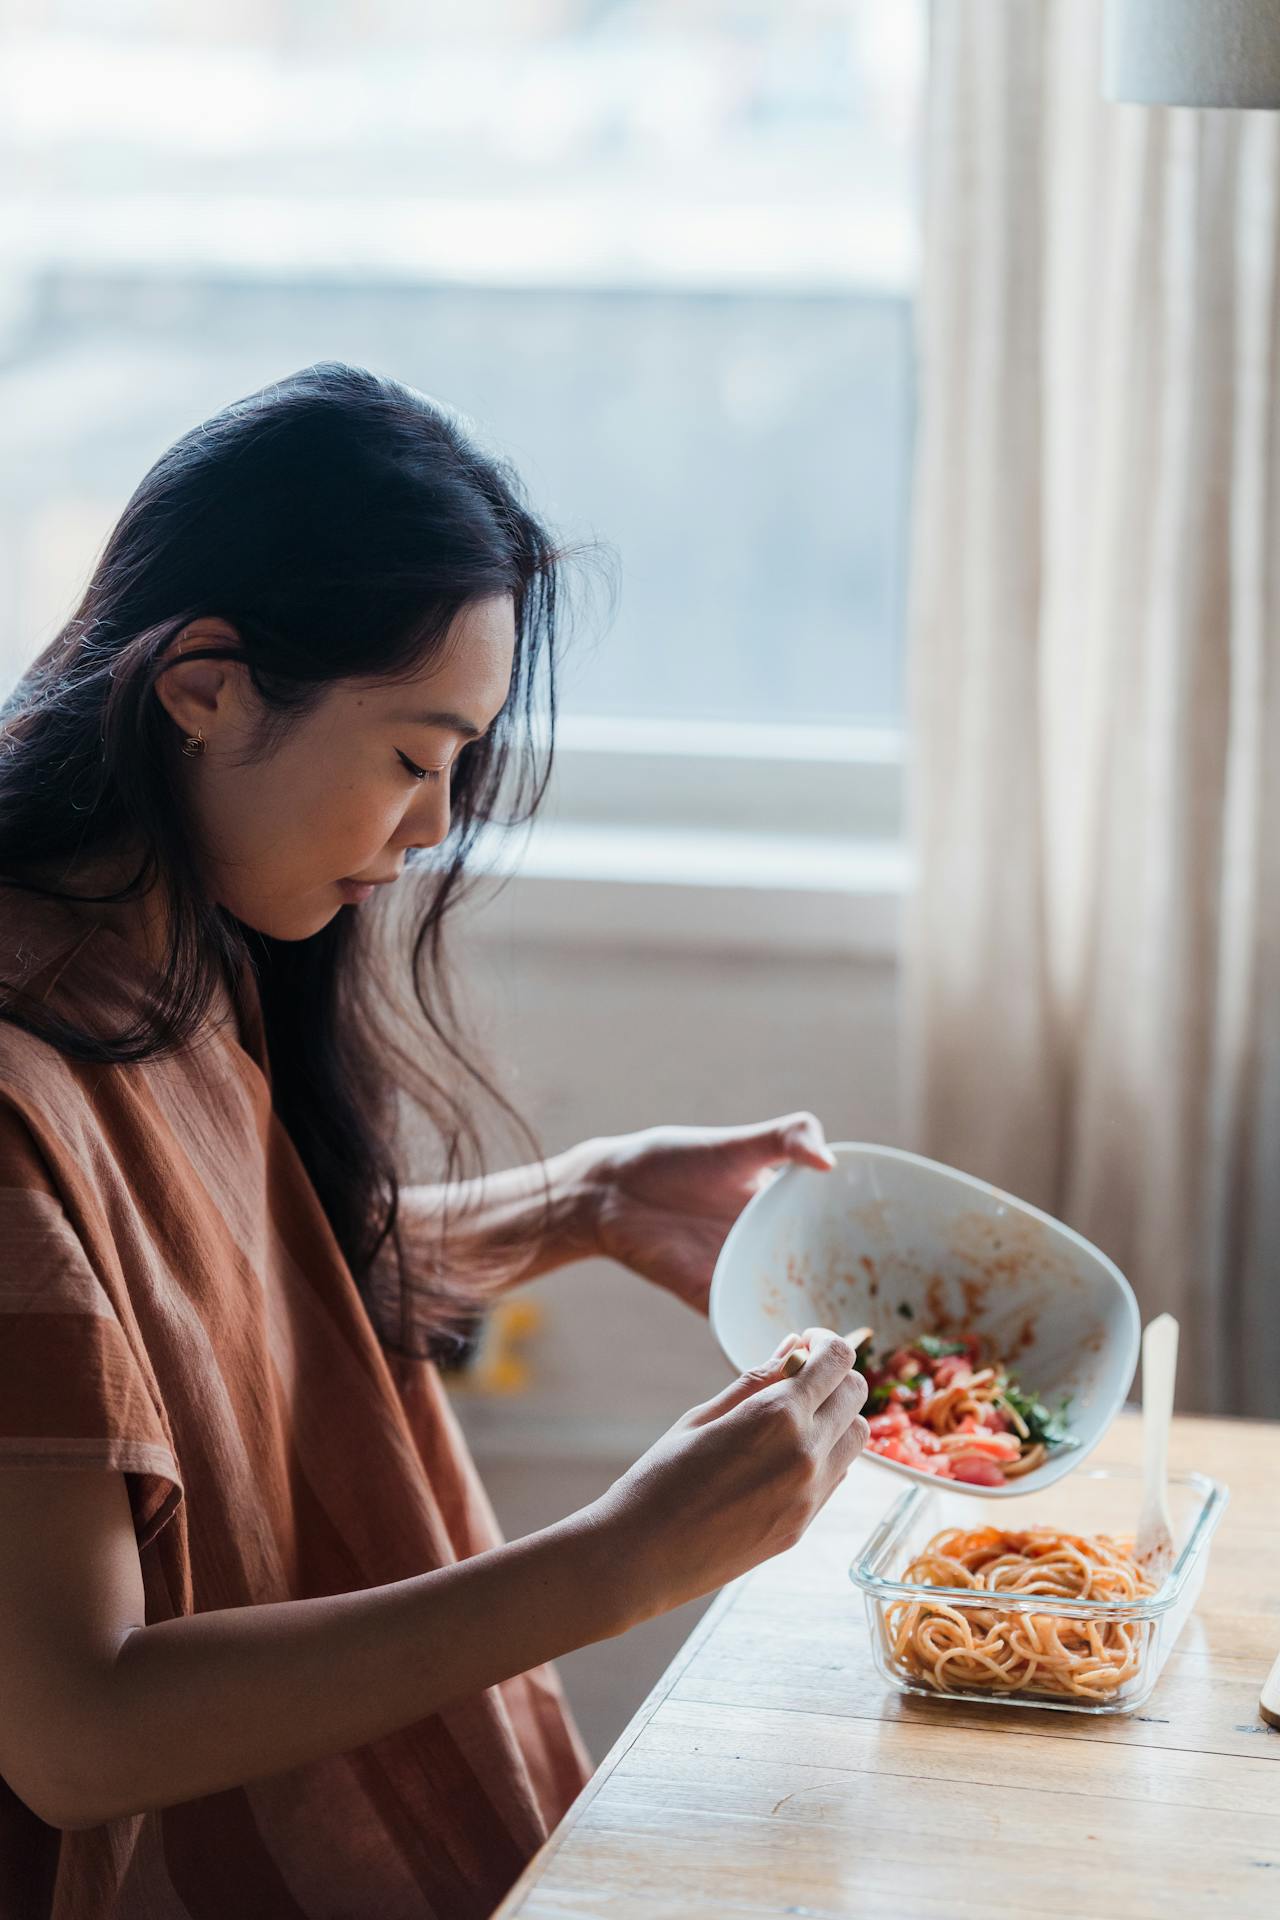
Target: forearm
<point>507,1228</point>
<point>193,1706</point>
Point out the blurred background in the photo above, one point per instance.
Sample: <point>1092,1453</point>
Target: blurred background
<point>660,254</point>
<point>923,398</point>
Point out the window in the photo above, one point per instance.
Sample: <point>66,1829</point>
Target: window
<point>661,252</point>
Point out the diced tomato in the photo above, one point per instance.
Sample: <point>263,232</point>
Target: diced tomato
<point>991,1446</point>
<point>949,1369</point>
<point>976,1470</point>
<point>926,1439</point>
<point>903,1449</point>
<point>892,1420</point>
<point>996,1419</point>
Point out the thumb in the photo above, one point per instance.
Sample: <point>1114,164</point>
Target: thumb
<point>749,1381</point>
<point>800,1137</point>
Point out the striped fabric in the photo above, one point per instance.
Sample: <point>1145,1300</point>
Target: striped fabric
<point>173,1306</point>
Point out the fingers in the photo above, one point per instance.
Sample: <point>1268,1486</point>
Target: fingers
<point>829,1364</point>
<point>801,1138</point>
<point>793,1343</point>
<point>792,1137</point>
<point>845,1452</point>
<point>839,1413</point>
<point>848,1449</point>
<point>748,1382</point>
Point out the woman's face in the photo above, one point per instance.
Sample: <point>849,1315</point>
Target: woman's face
<point>348,788</point>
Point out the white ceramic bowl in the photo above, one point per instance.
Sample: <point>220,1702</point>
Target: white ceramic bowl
<point>898,1243</point>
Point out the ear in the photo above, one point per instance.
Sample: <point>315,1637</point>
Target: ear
<point>200,693</point>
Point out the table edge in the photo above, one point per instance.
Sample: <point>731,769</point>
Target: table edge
<point>666,1681</point>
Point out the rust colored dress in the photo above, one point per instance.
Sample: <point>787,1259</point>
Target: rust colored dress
<point>174,1307</point>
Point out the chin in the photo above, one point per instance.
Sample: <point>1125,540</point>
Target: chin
<point>305,924</point>
<point>288,923</point>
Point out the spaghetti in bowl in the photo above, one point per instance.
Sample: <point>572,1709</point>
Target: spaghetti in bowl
<point>1044,1608</point>
<point>927,1255</point>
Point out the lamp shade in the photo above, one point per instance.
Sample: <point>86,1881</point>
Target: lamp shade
<point>1192,53</point>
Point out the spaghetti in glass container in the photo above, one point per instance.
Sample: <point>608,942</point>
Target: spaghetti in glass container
<point>989,1647</point>
<point>1046,1610</point>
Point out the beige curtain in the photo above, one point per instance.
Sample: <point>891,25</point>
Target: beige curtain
<point>1093,975</point>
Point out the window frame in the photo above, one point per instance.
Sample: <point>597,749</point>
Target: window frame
<point>721,837</point>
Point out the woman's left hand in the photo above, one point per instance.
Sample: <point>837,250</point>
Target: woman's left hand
<point>663,1200</point>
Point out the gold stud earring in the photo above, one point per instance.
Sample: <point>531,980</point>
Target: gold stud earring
<point>194,742</point>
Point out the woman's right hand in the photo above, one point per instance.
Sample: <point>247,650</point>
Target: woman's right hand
<point>737,1479</point>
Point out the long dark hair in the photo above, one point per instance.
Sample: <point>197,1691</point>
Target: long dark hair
<point>339,522</point>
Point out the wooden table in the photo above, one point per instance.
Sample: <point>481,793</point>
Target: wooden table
<point>772,1770</point>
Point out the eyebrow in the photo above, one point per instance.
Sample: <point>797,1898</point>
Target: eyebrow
<point>454,722</point>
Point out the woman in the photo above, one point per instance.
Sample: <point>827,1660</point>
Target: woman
<point>262,1652</point>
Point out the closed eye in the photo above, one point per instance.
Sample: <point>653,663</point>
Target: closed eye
<point>419,773</point>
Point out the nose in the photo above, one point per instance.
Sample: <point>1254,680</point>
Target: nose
<point>427,820</point>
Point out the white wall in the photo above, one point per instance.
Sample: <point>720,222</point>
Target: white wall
<point>601,1040</point>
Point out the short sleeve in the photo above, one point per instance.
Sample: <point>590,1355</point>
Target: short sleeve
<point>73,1390</point>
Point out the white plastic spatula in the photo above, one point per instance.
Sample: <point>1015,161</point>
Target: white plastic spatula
<point>1153,1546</point>
<point>1269,1704</point>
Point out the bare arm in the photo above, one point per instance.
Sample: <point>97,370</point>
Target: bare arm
<point>659,1202</point>
<point>102,1716</point>
<point>510,1226</point>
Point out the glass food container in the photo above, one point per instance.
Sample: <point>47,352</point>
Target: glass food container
<point>1136,1635</point>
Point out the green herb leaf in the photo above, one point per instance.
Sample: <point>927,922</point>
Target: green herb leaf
<point>1049,1428</point>
<point>882,1396</point>
<point>935,1348</point>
